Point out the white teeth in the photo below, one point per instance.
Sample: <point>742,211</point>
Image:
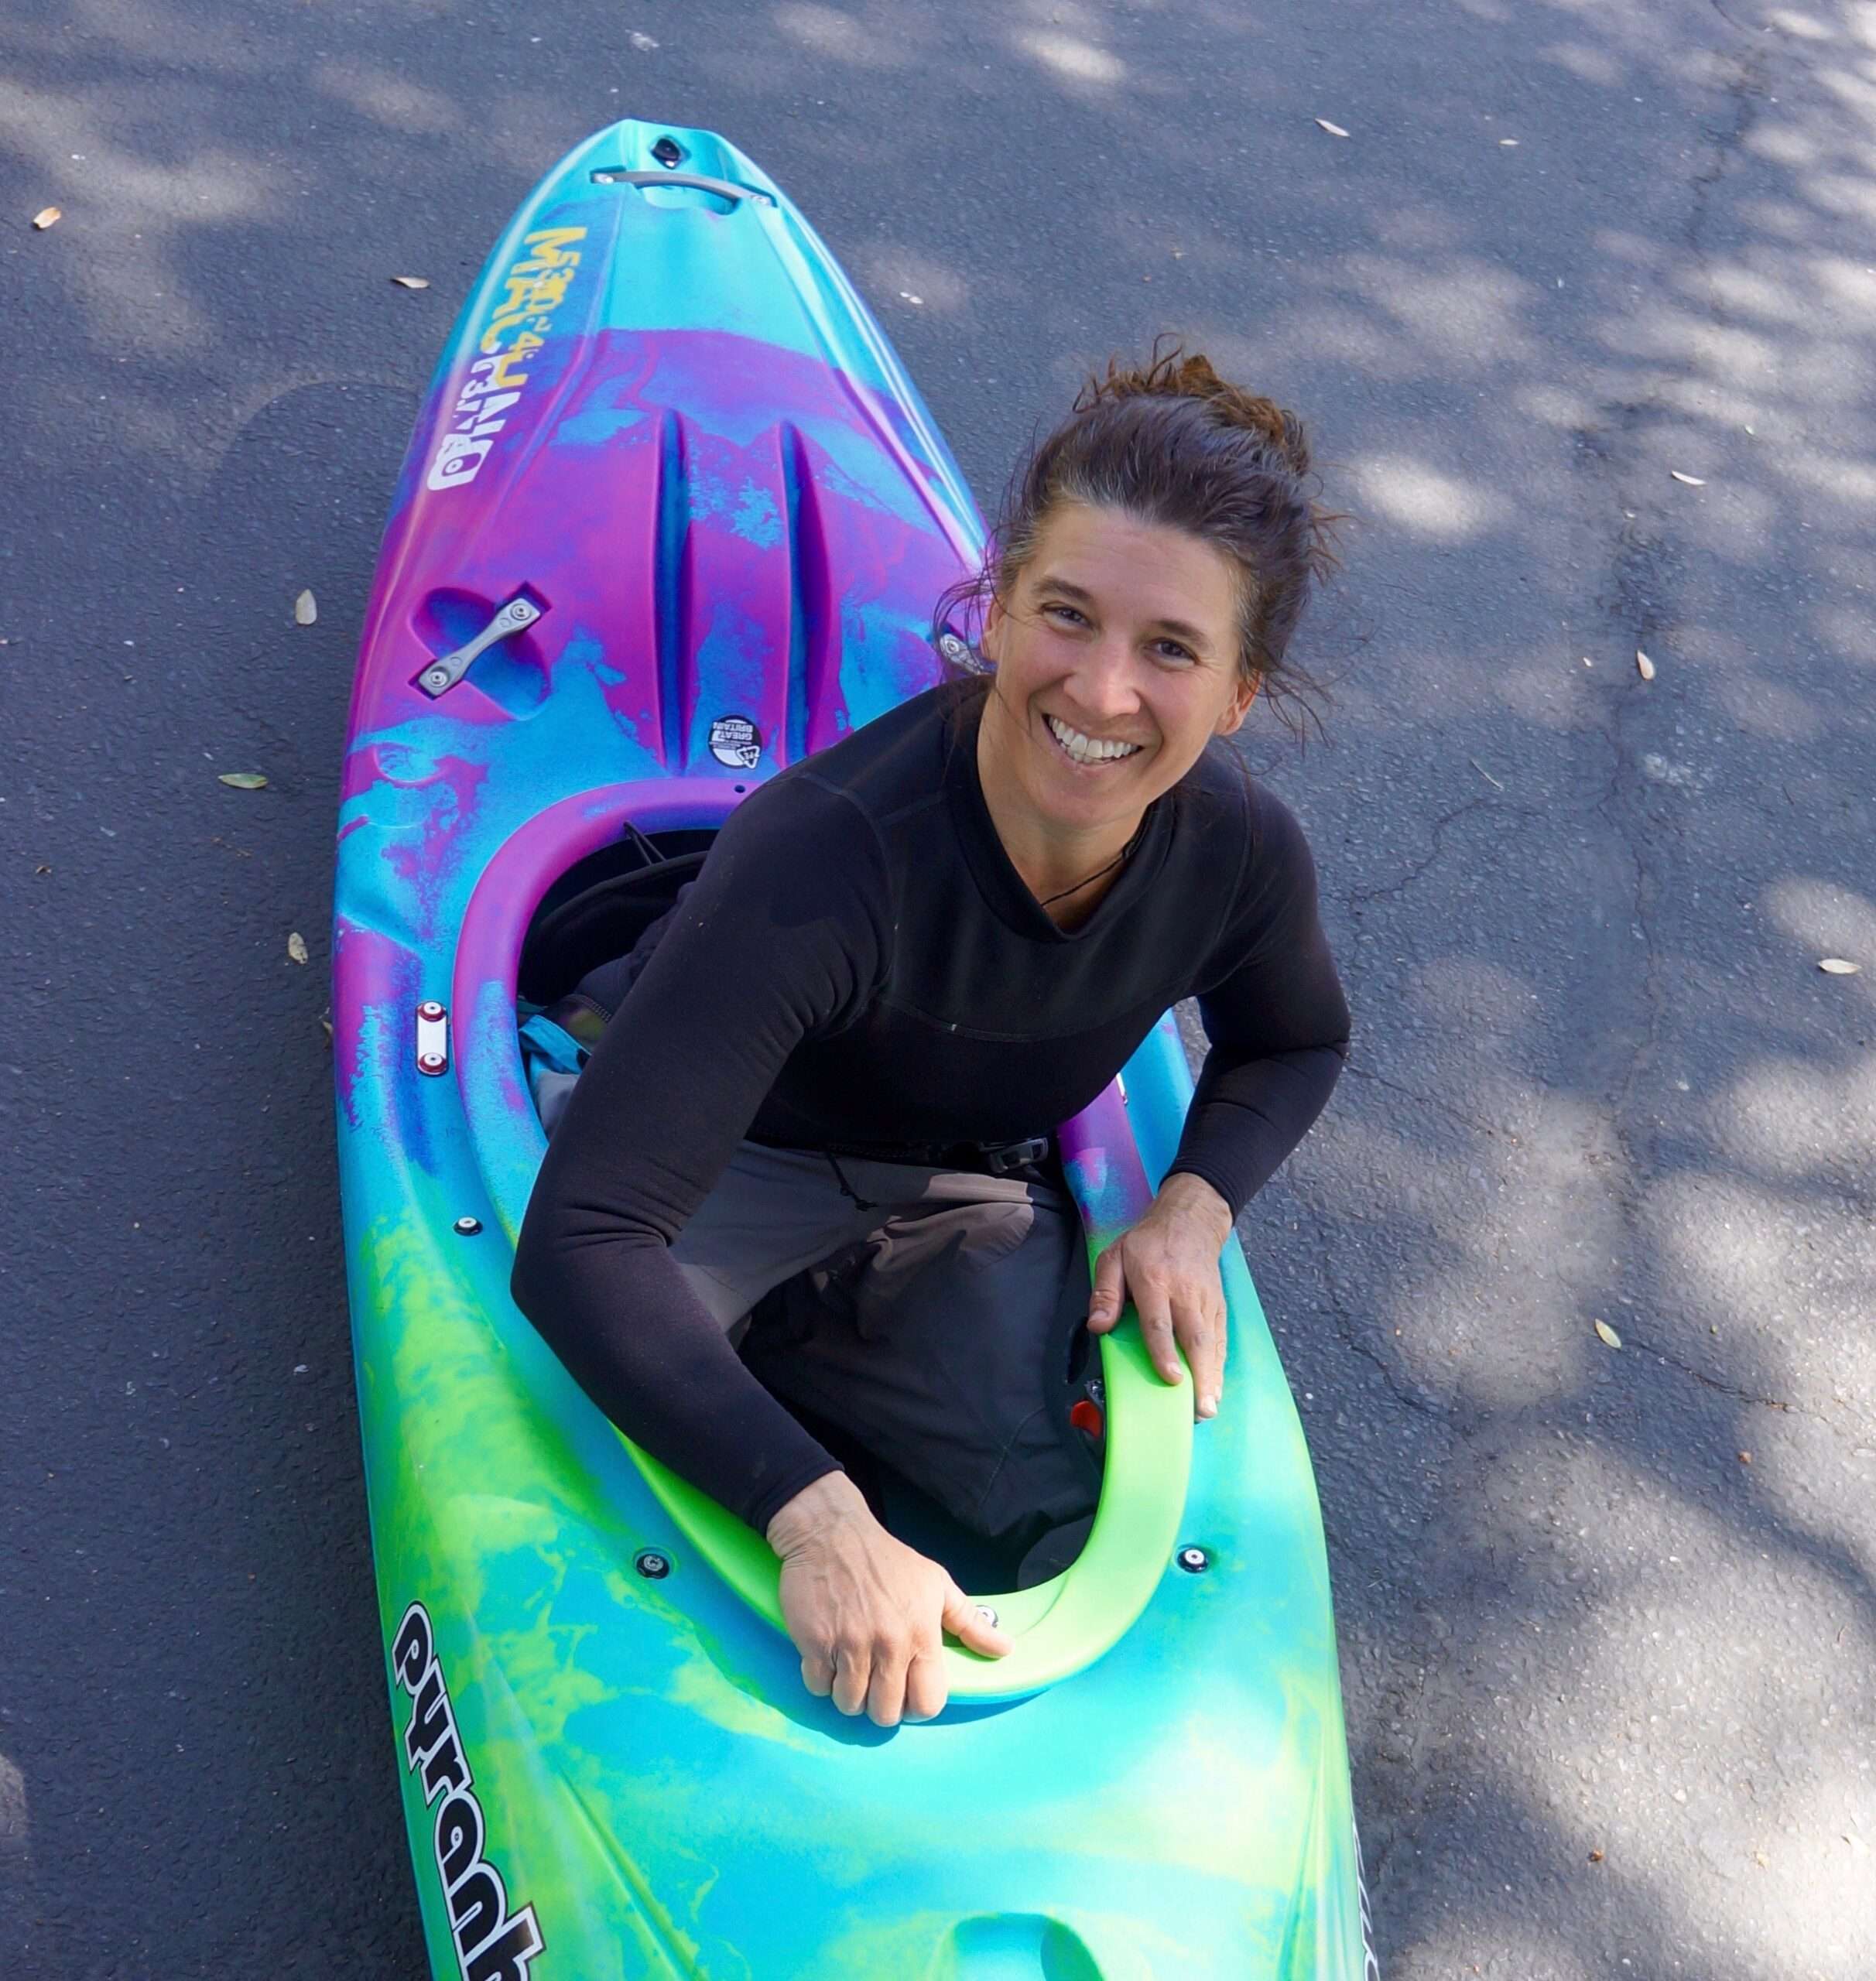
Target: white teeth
<point>1084,749</point>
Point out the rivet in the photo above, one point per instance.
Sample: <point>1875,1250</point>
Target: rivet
<point>989,1614</point>
<point>652,1565</point>
<point>1194,1561</point>
<point>433,1062</point>
<point>430,1010</point>
<point>468,1227</point>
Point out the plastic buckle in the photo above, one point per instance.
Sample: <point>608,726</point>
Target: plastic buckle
<point>1006,1156</point>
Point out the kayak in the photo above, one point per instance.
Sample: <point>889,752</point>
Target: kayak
<point>674,516</point>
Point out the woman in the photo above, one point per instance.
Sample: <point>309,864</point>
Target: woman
<point>906,959</point>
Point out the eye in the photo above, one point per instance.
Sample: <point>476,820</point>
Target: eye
<point>1178,652</point>
<point>1069,609</point>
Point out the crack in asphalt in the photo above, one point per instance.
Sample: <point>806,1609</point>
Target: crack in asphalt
<point>1853,1426</point>
<point>1359,897</point>
<point>1458,1114</point>
<point>1343,1322</point>
<point>1645,568</point>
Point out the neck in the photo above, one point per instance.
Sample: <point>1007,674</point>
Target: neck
<point>1048,856</point>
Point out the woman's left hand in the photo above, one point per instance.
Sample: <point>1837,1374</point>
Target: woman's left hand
<point>1168,1263</point>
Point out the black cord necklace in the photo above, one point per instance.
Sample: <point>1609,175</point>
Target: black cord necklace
<point>1097,872</point>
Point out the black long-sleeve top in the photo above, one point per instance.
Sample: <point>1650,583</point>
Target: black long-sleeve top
<point>860,964</point>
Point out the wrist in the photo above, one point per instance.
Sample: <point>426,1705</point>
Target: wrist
<point>825,1502</point>
<point>1192,1196</point>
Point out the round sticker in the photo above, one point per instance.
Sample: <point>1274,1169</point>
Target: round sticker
<point>735,740</point>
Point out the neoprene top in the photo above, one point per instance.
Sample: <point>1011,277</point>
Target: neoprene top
<point>859,963</point>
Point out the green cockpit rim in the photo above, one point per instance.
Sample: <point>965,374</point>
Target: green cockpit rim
<point>1060,1625</point>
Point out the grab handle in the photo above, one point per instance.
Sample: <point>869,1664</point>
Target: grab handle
<point>701,181</point>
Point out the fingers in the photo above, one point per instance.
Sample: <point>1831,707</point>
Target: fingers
<point>1200,1328</point>
<point>1151,1303</point>
<point>885,1691</point>
<point>971,1626</point>
<point>1110,1290</point>
<point>817,1672</point>
<point>900,1675</point>
<point>926,1690</point>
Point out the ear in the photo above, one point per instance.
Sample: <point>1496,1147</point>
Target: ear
<point>1243,695</point>
<point>991,639</point>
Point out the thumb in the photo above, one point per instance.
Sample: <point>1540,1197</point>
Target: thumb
<point>1110,1290</point>
<point>970,1626</point>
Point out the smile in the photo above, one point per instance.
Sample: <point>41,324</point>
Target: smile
<point>1084,749</point>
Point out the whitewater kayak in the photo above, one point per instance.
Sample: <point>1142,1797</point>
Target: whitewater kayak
<point>673,516</point>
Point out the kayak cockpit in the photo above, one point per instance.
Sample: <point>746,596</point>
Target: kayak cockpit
<point>575,887</point>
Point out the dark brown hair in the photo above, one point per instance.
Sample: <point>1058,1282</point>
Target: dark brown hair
<point>1172,443</point>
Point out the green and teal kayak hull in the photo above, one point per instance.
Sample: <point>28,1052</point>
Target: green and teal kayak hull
<point>668,440</point>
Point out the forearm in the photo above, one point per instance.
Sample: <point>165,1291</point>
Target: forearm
<point>623,1318</point>
<point>1247,1117</point>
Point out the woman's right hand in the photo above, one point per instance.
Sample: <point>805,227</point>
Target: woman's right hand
<point>867,1613</point>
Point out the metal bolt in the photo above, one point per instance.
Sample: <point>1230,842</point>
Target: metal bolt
<point>430,1010</point>
<point>652,1565</point>
<point>438,677</point>
<point>433,1062</point>
<point>1194,1561</point>
<point>468,1227</point>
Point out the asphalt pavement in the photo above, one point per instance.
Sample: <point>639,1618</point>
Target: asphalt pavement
<point>1578,302</point>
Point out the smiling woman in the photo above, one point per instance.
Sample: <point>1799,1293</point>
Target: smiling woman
<point>817,1125</point>
<point>1154,556</point>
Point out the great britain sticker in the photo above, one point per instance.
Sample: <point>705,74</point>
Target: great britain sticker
<point>735,740</point>
<point>494,1941</point>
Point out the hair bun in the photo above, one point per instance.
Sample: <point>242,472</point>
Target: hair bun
<point>1176,376</point>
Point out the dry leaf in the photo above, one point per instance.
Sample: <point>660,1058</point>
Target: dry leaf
<point>305,610</point>
<point>1609,1336</point>
<point>1596,1856</point>
<point>1838,965</point>
<point>41,870</point>
<point>1335,130</point>
<point>45,217</point>
<point>1644,666</point>
<point>411,281</point>
<point>1745,1457</point>
<point>244,780</point>
<point>1692,480</point>
<point>296,947</point>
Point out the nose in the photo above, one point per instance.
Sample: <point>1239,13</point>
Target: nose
<point>1103,683</point>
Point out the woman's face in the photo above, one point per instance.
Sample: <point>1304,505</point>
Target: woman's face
<point>1118,633</point>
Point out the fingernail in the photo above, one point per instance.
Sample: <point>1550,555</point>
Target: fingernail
<point>1208,1407</point>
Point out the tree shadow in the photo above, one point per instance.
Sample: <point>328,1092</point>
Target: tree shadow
<point>1564,256</point>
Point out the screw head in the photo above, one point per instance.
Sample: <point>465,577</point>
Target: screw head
<point>430,1010</point>
<point>1194,1561</point>
<point>652,1565</point>
<point>432,1062</point>
<point>437,677</point>
<point>467,1227</point>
